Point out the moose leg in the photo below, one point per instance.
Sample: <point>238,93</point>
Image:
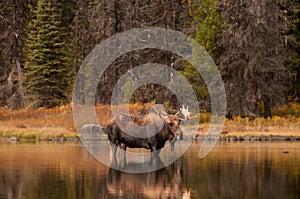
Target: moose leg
<point>122,155</point>
<point>172,142</point>
<point>179,134</point>
<point>154,152</point>
<point>155,160</point>
<point>112,153</point>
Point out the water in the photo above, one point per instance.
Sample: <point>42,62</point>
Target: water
<point>231,170</point>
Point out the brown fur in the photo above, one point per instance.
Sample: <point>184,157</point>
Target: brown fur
<point>155,142</point>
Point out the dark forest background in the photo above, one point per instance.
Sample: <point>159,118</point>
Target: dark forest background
<point>255,44</point>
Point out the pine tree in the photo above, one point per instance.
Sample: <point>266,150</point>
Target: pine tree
<point>47,71</point>
<point>206,22</point>
<point>83,42</point>
<point>128,89</point>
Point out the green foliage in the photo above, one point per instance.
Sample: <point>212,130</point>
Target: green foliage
<point>127,91</point>
<point>207,25</point>
<point>292,109</point>
<point>48,81</point>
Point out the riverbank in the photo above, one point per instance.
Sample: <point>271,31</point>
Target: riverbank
<point>56,124</point>
<point>275,128</point>
<point>194,138</point>
<point>61,135</point>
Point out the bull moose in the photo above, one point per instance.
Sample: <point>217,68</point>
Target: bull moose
<point>168,125</point>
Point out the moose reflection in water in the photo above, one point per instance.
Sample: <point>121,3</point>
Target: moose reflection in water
<point>164,183</point>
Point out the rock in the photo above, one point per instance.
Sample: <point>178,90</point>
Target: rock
<point>233,138</point>
<point>289,138</point>
<point>61,139</point>
<point>255,138</point>
<point>286,152</point>
<point>222,138</point>
<point>247,138</point>
<point>13,139</point>
<point>264,138</point>
<point>91,131</point>
<point>76,139</point>
<point>279,137</point>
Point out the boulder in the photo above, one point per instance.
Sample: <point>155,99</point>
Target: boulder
<point>233,138</point>
<point>13,139</point>
<point>255,138</point>
<point>247,137</point>
<point>264,138</point>
<point>60,139</point>
<point>91,131</point>
<point>76,139</point>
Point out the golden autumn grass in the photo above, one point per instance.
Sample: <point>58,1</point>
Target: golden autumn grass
<point>56,122</point>
<point>241,127</point>
<point>49,123</point>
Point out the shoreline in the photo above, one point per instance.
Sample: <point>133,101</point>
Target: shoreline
<point>61,134</point>
<point>57,124</point>
<point>191,137</point>
<point>261,138</point>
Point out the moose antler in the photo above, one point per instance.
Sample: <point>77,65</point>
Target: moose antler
<point>184,110</point>
<point>186,114</point>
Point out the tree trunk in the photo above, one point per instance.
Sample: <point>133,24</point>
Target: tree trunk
<point>267,108</point>
<point>21,88</point>
<point>22,103</point>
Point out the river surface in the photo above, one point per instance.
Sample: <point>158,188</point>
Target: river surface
<point>40,170</point>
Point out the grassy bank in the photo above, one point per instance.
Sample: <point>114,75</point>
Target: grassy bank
<point>49,123</point>
<point>37,124</point>
<point>58,122</point>
<point>240,127</point>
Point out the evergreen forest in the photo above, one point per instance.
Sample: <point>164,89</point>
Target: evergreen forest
<point>255,45</point>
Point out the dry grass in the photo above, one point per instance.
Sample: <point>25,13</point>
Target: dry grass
<point>40,123</point>
<point>58,121</point>
<point>287,126</point>
<point>35,133</point>
<point>49,123</point>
